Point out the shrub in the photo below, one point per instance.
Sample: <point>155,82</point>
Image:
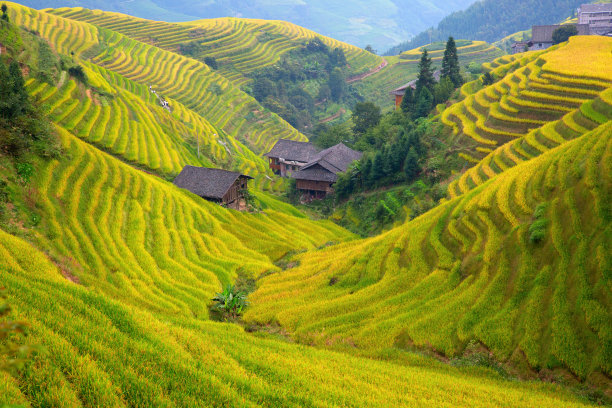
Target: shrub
<point>537,229</point>
<point>231,302</point>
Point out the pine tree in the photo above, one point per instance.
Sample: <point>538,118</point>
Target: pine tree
<point>378,168</point>
<point>411,164</point>
<point>408,101</point>
<point>450,63</point>
<point>425,78</point>
<point>424,103</point>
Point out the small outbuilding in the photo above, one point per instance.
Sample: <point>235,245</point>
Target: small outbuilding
<point>217,185</point>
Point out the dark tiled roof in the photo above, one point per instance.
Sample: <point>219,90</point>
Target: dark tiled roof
<point>205,182</point>
<point>412,84</point>
<point>316,173</point>
<point>544,33</point>
<point>293,151</point>
<point>596,8</point>
<point>333,160</point>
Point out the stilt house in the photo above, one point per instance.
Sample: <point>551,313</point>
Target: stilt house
<point>220,186</point>
<point>317,177</point>
<point>289,156</point>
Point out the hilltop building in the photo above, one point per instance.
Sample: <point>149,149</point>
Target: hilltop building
<point>597,16</point>
<point>220,186</point>
<point>593,19</point>
<point>316,178</point>
<point>289,156</point>
<point>542,36</point>
<point>398,93</point>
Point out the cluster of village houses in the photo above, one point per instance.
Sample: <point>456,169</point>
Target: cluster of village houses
<point>315,172</point>
<point>593,19</point>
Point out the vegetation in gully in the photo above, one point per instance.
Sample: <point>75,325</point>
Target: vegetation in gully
<point>463,260</point>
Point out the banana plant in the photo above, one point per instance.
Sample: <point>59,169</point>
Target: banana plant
<point>231,302</point>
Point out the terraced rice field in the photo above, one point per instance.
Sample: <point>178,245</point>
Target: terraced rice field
<point>404,68</point>
<point>239,45</point>
<point>470,269</point>
<point>173,76</point>
<point>151,244</point>
<point>102,352</point>
<point>539,96</point>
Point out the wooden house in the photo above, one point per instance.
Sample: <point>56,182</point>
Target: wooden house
<point>398,93</point>
<point>221,186</point>
<point>597,16</point>
<point>2,49</point>
<point>316,178</point>
<point>542,36</point>
<point>288,156</point>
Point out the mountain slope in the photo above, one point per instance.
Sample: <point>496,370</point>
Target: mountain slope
<point>540,101</point>
<point>240,46</point>
<point>491,20</point>
<point>472,269</point>
<point>102,352</point>
<point>380,23</point>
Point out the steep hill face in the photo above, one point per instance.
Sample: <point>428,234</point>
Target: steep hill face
<point>516,261</point>
<point>100,351</point>
<point>379,23</point>
<point>539,100</point>
<point>116,279</point>
<point>491,20</point>
<point>516,264</point>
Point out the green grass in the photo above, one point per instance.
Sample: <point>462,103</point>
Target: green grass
<point>466,270</point>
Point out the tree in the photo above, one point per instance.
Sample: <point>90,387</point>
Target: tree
<point>425,78</point>
<point>411,164</point>
<point>5,16</point>
<point>563,33</point>
<point>369,49</point>
<point>337,58</point>
<point>487,79</point>
<point>450,63</point>
<point>408,101</point>
<point>211,62</point>
<point>13,95</point>
<point>443,90</point>
<point>366,115</point>
<point>378,167</point>
<point>424,104</point>
<point>337,85</point>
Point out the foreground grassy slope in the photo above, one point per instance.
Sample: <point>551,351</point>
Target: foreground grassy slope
<point>240,46</point>
<point>150,243</point>
<point>173,76</point>
<point>519,264</point>
<point>102,352</point>
<point>532,91</point>
<point>404,68</point>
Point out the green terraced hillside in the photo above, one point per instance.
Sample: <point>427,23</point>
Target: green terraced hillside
<point>115,270</point>
<point>173,76</point>
<point>518,264</point>
<point>240,46</point>
<point>403,68</point>
<point>539,100</point>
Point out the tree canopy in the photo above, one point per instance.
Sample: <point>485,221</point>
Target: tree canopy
<point>563,33</point>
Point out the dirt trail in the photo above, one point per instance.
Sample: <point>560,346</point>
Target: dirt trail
<point>367,74</point>
<point>336,115</point>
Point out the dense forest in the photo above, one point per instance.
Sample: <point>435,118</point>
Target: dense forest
<point>491,20</point>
